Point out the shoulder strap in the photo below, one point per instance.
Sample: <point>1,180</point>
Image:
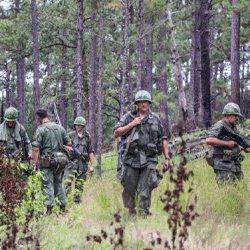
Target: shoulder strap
<point>226,126</point>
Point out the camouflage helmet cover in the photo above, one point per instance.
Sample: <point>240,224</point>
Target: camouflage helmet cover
<point>143,95</point>
<point>231,109</point>
<point>80,121</point>
<point>11,114</point>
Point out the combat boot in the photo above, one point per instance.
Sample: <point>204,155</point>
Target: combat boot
<point>63,210</point>
<point>48,210</point>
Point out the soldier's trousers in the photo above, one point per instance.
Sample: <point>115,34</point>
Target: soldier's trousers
<point>142,181</point>
<point>227,176</point>
<point>79,173</point>
<point>52,187</point>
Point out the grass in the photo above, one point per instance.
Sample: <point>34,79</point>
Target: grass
<point>224,221</point>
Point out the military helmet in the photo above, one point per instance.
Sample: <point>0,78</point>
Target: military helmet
<point>11,114</point>
<point>143,95</point>
<point>231,109</point>
<point>80,121</point>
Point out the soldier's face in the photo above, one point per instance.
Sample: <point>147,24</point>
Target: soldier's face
<point>234,119</point>
<point>11,124</point>
<point>79,128</point>
<point>143,106</point>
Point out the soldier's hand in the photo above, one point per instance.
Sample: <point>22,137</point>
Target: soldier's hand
<point>231,144</point>
<point>136,121</point>
<point>29,157</point>
<point>69,148</point>
<point>91,169</point>
<point>166,165</point>
<point>35,168</point>
<point>247,150</point>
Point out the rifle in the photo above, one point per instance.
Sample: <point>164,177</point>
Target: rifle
<point>57,115</point>
<point>122,146</point>
<point>227,131</point>
<point>78,152</point>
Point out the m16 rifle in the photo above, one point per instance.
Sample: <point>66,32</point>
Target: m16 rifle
<point>227,131</point>
<point>78,152</point>
<point>122,146</point>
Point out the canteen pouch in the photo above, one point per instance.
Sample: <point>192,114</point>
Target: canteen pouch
<point>209,158</point>
<point>151,150</point>
<point>59,162</point>
<point>46,160</point>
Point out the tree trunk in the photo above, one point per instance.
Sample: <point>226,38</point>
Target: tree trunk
<point>235,55</point>
<point>100,98</point>
<point>205,64</point>
<point>161,82</point>
<point>195,79</point>
<point>93,79</point>
<point>79,73</point>
<point>141,47</point>
<point>36,89</point>
<point>9,101</point>
<point>177,70</point>
<point>125,56</point>
<point>147,83</point>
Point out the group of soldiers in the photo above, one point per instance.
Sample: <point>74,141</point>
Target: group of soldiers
<point>67,156</point>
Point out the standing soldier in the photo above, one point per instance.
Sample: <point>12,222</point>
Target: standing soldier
<point>145,139</point>
<point>49,140</point>
<point>14,136</point>
<point>227,145</point>
<point>80,154</point>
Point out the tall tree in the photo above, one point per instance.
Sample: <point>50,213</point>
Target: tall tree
<point>235,54</point>
<point>79,73</point>
<point>100,98</point>
<point>177,68</point>
<point>194,89</point>
<point>205,63</point>
<point>125,58</point>
<point>93,76</point>
<point>141,46</point>
<point>36,88</point>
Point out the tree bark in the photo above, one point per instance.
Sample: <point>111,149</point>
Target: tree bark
<point>195,79</point>
<point>205,64</point>
<point>141,47</point>
<point>235,55</point>
<point>177,70</point>
<point>161,82</point>
<point>93,79</point>
<point>125,59</point>
<point>36,89</point>
<point>100,98</point>
<point>79,73</point>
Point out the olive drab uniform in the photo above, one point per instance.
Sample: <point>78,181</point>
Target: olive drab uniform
<point>77,166</point>
<point>227,161</point>
<point>139,173</point>
<point>14,138</point>
<point>50,138</point>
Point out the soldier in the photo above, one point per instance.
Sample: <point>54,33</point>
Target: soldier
<point>145,139</point>
<point>14,136</point>
<point>227,145</point>
<point>78,166</point>
<point>49,140</point>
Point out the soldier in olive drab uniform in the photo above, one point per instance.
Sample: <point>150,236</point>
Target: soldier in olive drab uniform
<point>145,139</point>
<point>78,165</point>
<point>14,135</point>
<point>226,152</point>
<point>49,139</point>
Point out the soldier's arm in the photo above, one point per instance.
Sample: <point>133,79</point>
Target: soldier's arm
<point>92,159</point>
<point>125,129</point>
<point>36,151</point>
<point>166,154</point>
<point>216,142</point>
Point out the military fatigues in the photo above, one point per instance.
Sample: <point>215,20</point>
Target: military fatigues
<point>77,167</point>
<point>139,173</point>
<point>227,161</point>
<point>14,138</point>
<point>50,138</point>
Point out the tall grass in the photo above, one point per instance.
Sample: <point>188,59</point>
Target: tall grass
<point>224,221</point>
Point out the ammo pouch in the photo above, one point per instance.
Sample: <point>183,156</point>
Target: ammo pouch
<point>209,158</point>
<point>159,147</point>
<point>59,162</point>
<point>151,150</point>
<point>46,160</point>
